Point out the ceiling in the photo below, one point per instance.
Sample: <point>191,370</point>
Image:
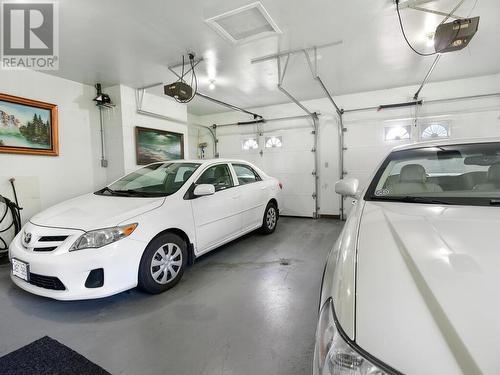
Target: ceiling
<point>132,42</point>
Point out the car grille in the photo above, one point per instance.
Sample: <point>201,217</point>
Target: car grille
<point>45,242</point>
<point>52,238</point>
<point>46,282</point>
<point>52,248</point>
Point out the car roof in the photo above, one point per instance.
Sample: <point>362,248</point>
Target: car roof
<point>445,142</point>
<point>205,161</point>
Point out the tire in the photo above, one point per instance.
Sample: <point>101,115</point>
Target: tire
<point>270,219</point>
<point>170,254</point>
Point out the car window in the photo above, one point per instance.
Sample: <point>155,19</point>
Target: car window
<point>455,174</point>
<point>153,180</point>
<point>218,175</point>
<point>144,178</point>
<point>183,173</point>
<point>245,174</point>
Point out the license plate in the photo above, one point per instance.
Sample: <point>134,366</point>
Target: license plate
<point>20,269</point>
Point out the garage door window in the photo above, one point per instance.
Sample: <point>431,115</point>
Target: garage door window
<point>397,133</point>
<point>218,175</point>
<point>274,142</point>
<point>249,144</point>
<point>435,130</point>
<point>245,174</point>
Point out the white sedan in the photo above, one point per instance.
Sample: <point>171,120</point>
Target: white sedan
<point>412,284</point>
<point>142,230</point>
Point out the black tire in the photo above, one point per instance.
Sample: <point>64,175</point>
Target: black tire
<point>154,279</point>
<point>270,219</point>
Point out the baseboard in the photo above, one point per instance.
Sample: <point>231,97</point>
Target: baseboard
<point>321,216</point>
<point>333,217</point>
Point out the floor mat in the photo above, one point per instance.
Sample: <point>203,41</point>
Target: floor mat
<point>47,356</point>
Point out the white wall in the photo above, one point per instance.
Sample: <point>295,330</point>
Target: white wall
<point>365,130</point>
<point>198,134</point>
<point>121,121</point>
<point>45,180</point>
<point>151,103</point>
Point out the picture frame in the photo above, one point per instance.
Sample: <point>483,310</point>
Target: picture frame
<point>28,126</point>
<point>155,145</point>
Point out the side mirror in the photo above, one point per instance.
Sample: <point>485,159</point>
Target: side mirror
<point>347,187</point>
<point>203,190</point>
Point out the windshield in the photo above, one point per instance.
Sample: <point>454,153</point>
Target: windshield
<point>154,180</point>
<point>459,174</point>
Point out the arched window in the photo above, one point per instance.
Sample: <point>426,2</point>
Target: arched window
<point>397,133</point>
<point>250,144</point>
<point>273,142</point>
<point>435,131</point>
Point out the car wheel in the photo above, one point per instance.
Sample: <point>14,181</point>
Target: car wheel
<point>270,219</point>
<point>162,263</point>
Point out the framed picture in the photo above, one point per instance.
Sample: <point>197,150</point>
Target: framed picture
<point>153,145</point>
<point>28,126</point>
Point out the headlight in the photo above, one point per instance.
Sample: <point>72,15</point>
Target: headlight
<point>333,355</point>
<point>101,237</point>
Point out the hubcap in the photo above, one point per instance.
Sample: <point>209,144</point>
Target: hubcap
<point>271,218</point>
<point>166,263</point>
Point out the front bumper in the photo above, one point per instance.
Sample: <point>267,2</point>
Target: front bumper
<point>119,260</point>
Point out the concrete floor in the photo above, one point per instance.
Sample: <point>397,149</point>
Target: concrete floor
<point>249,307</point>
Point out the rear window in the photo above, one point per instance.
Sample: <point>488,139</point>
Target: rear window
<point>246,174</point>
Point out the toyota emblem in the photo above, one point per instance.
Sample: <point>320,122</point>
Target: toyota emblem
<point>27,238</point>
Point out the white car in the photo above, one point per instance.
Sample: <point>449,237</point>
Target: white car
<point>142,230</point>
<point>412,285</point>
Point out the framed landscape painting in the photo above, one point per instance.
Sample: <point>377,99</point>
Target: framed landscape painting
<point>153,145</point>
<point>28,126</point>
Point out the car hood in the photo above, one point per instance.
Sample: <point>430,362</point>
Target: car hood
<point>91,211</point>
<point>428,281</point>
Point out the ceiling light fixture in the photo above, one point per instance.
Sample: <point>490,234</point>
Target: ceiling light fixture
<point>211,86</point>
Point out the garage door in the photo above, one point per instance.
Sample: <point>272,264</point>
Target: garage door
<point>290,160</point>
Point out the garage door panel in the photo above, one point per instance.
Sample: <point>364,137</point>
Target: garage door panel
<point>230,144</point>
<point>289,162</point>
<point>364,135</point>
<point>293,183</point>
<point>363,158</point>
<point>298,141</point>
<point>297,205</point>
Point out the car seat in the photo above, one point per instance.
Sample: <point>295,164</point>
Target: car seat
<point>493,179</point>
<point>413,180</point>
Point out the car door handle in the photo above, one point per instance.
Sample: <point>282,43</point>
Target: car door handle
<point>236,196</point>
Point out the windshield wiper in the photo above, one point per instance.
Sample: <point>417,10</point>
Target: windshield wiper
<point>106,190</point>
<point>495,202</point>
<point>411,199</point>
<point>137,193</point>
<point>129,192</point>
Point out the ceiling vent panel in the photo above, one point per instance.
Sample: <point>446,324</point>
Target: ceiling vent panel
<point>245,24</point>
